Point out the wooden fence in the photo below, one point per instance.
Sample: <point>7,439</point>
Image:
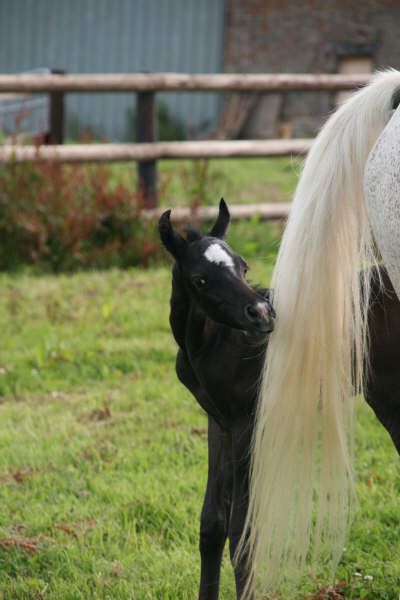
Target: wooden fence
<point>147,150</point>
<point>182,214</point>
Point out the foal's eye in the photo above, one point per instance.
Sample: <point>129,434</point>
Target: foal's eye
<point>199,282</point>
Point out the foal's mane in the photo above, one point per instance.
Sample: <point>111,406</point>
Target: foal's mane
<point>193,235</point>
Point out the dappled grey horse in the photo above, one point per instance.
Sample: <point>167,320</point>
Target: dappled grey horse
<point>302,482</point>
<point>222,325</point>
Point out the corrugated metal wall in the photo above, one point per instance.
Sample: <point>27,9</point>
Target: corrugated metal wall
<point>105,36</point>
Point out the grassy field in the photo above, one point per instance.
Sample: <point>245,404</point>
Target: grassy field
<point>239,181</point>
<point>103,453</point>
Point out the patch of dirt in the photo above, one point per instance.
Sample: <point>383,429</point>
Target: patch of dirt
<point>99,414</point>
<point>116,571</point>
<point>372,478</point>
<point>16,528</point>
<point>16,475</point>
<point>65,529</point>
<point>329,593</point>
<point>30,544</point>
<point>75,395</point>
<point>77,529</point>
<point>88,455</point>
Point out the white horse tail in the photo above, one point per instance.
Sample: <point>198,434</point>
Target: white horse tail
<point>301,489</point>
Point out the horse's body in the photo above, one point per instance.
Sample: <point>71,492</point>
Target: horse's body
<point>302,480</point>
<point>221,366</point>
<point>382,389</point>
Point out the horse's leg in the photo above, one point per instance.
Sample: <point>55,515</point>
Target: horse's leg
<point>241,439</point>
<point>383,395</point>
<point>383,382</point>
<point>216,509</point>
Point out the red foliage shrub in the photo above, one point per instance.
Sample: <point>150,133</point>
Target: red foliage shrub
<point>65,217</point>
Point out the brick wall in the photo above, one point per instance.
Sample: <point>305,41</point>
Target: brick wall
<point>300,36</point>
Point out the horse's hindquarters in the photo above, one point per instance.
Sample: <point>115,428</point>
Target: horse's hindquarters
<point>382,196</point>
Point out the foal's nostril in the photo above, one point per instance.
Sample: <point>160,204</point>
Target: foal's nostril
<point>252,314</point>
<point>260,316</point>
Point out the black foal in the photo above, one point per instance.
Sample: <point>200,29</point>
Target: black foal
<point>221,325</point>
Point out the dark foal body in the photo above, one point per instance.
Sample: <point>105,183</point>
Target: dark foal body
<point>220,324</point>
<point>220,361</point>
<point>221,366</point>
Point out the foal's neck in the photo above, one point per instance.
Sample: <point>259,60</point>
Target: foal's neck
<point>199,328</point>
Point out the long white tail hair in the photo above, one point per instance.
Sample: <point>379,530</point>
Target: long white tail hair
<point>301,489</point>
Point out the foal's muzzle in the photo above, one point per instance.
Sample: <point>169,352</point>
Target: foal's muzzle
<point>260,316</point>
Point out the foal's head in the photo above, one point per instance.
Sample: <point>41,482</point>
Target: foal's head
<point>214,276</point>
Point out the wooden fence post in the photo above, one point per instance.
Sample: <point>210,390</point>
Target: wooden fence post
<point>146,132</point>
<point>55,135</point>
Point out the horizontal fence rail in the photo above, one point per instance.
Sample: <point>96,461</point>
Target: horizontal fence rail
<point>183,214</point>
<point>179,82</point>
<point>148,150</point>
<point>80,153</point>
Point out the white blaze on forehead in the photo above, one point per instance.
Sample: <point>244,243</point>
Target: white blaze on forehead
<point>215,253</point>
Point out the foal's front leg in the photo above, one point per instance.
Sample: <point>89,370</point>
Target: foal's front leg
<point>216,509</point>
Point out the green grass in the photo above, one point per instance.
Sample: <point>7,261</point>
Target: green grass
<point>103,452</point>
<point>239,181</point>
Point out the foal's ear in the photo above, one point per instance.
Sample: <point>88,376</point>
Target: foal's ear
<point>221,224</point>
<point>174,243</point>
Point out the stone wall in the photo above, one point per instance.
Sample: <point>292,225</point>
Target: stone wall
<point>305,37</point>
